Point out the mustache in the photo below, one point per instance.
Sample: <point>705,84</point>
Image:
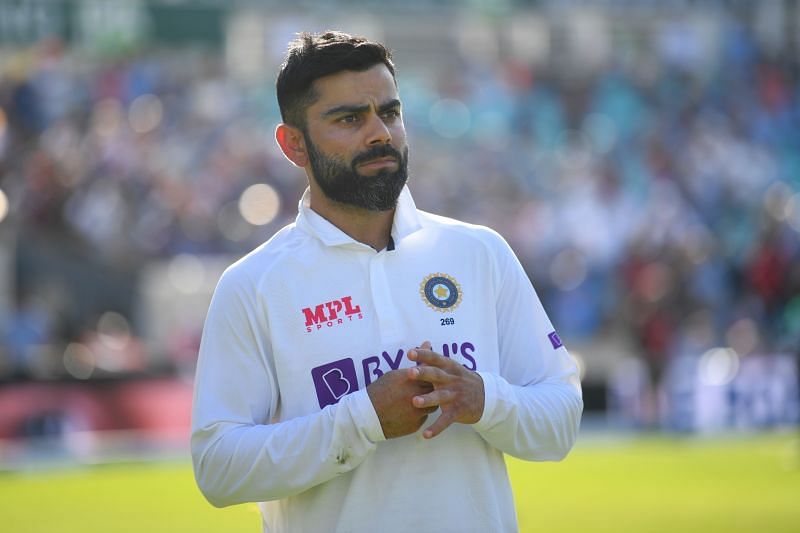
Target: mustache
<point>383,150</point>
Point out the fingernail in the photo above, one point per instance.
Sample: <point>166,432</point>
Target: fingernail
<point>427,434</point>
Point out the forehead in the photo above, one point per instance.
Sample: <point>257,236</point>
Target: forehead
<point>373,86</point>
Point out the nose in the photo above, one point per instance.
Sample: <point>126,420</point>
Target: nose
<point>378,132</point>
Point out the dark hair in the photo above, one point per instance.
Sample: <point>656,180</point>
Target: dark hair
<point>313,56</point>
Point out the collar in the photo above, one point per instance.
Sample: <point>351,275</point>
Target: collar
<point>406,221</point>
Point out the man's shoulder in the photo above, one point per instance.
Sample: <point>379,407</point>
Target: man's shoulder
<point>263,259</point>
<point>451,227</point>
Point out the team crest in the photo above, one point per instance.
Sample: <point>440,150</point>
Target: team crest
<point>440,292</point>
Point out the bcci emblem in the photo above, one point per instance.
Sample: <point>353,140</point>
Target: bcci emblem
<point>441,292</point>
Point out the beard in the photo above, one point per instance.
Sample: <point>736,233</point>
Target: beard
<point>342,183</point>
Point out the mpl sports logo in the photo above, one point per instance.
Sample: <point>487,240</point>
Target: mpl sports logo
<point>331,314</point>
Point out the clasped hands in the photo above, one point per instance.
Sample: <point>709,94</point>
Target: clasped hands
<point>404,398</point>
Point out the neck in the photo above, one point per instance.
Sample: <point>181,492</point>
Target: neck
<point>372,228</point>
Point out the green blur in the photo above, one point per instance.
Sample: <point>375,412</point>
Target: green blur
<point>607,484</point>
<point>661,484</point>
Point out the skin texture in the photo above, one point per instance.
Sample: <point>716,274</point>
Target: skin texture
<point>404,398</point>
<point>345,184</point>
<point>458,392</point>
<point>392,395</point>
<point>355,112</point>
<point>344,136</point>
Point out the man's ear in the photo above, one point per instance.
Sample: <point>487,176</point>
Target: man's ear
<point>293,144</point>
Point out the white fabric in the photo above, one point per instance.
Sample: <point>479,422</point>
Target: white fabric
<point>260,435</point>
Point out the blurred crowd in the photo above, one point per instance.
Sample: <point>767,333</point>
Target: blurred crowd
<point>656,197</point>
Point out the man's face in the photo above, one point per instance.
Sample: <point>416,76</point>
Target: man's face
<point>356,140</point>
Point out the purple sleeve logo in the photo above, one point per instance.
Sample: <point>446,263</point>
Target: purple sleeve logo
<point>555,340</point>
<point>334,380</point>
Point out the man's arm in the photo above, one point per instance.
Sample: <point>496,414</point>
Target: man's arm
<point>532,408</point>
<point>239,453</point>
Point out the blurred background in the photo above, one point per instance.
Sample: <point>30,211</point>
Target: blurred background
<point>642,158</point>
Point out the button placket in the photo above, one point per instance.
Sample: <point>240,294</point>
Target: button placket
<point>386,310</point>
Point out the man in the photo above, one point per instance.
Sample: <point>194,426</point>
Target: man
<point>327,348</point>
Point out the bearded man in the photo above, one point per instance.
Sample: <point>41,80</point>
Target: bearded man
<point>328,349</point>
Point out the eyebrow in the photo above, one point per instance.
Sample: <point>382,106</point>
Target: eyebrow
<point>343,109</point>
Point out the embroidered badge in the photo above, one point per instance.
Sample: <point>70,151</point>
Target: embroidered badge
<point>440,292</point>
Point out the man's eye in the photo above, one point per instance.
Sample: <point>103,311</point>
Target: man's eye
<point>392,114</point>
<point>349,119</point>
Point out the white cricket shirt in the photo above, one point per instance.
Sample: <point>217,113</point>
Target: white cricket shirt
<point>299,327</point>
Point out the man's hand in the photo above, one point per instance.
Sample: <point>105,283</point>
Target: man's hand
<point>457,391</point>
<point>391,396</point>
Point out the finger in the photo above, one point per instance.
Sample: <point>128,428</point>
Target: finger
<point>428,357</point>
<point>426,345</point>
<point>423,387</point>
<point>435,398</point>
<point>429,374</point>
<point>443,422</point>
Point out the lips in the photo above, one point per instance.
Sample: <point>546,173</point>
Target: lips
<point>379,162</point>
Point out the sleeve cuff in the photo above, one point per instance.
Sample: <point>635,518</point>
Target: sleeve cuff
<point>489,401</point>
<point>364,415</point>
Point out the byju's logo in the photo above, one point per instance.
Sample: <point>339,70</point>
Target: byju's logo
<point>334,380</point>
<point>555,340</point>
<point>331,314</point>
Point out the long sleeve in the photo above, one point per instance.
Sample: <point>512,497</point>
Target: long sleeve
<point>533,407</point>
<point>239,453</point>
